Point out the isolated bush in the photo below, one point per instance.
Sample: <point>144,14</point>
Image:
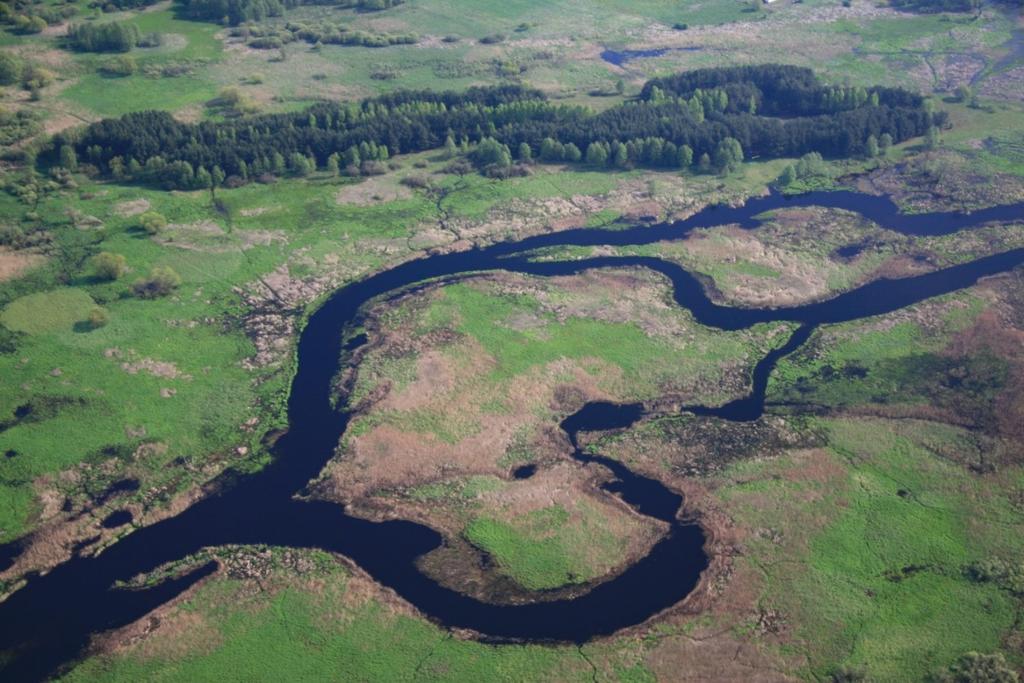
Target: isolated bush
<point>98,317</point>
<point>162,281</point>
<point>109,266</point>
<point>416,181</point>
<point>152,222</point>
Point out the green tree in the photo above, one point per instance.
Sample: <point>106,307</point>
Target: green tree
<point>109,266</point>
<point>872,147</point>
<point>332,164</point>
<point>572,153</point>
<point>704,163</point>
<point>203,180</point>
<point>277,164</point>
<point>597,155</point>
<point>964,93</point>
<point>728,156</point>
<point>525,153</point>
<point>352,158</point>
<point>68,158</point>
<point>685,156</point>
<point>931,138</point>
<point>98,317</point>
<point>549,150</point>
<point>620,155</point>
<point>788,176</point>
<point>490,152</point>
<point>218,176</point>
<point>885,143</point>
<point>451,150</point>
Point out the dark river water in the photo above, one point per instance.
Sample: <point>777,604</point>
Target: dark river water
<point>45,624</point>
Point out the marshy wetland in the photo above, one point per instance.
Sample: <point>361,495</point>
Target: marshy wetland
<point>424,340</point>
<point>76,598</point>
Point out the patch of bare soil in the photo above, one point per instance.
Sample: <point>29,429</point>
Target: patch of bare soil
<point>132,207</point>
<point>998,331</point>
<point>156,368</point>
<point>15,263</point>
<point>1007,85</point>
<point>374,190</point>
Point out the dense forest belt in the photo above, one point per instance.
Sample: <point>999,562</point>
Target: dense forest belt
<point>47,622</point>
<point>768,111</point>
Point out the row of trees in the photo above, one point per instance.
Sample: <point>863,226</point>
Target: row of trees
<point>270,37</point>
<point>154,146</point>
<point>112,36</point>
<point>236,12</point>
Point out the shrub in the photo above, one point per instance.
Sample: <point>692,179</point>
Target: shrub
<point>373,168</point>
<point>152,222</point>
<point>120,66</point>
<point>10,69</point>
<point>109,266</point>
<point>36,77</point>
<point>162,281</point>
<point>98,317</point>
<point>416,181</point>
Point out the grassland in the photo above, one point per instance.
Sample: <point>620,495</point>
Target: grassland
<point>325,626</point>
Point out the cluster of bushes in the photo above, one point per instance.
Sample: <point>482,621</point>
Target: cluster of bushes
<point>235,12</point>
<point>24,236</point>
<point>109,266</point>
<point>932,6</point>
<point>111,36</point>
<point>268,38</point>
<point>1007,575</point>
<point>121,5</point>
<point>29,17</point>
<point>19,125</point>
<point>793,116</point>
<point>810,169</point>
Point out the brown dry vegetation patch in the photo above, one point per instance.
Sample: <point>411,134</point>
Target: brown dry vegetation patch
<point>566,484</point>
<point>15,263</point>
<point>994,332</point>
<point>131,207</point>
<point>374,190</point>
<point>452,419</point>
<point>942,181</point>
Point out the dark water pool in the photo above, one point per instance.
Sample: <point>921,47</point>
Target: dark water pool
<point>623,57</point>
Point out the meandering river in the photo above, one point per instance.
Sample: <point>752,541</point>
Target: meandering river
<point>46,623</point>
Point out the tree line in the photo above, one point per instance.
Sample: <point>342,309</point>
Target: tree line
<point>111,36</point>
<point>787,113</point>
<point>236,12</point>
